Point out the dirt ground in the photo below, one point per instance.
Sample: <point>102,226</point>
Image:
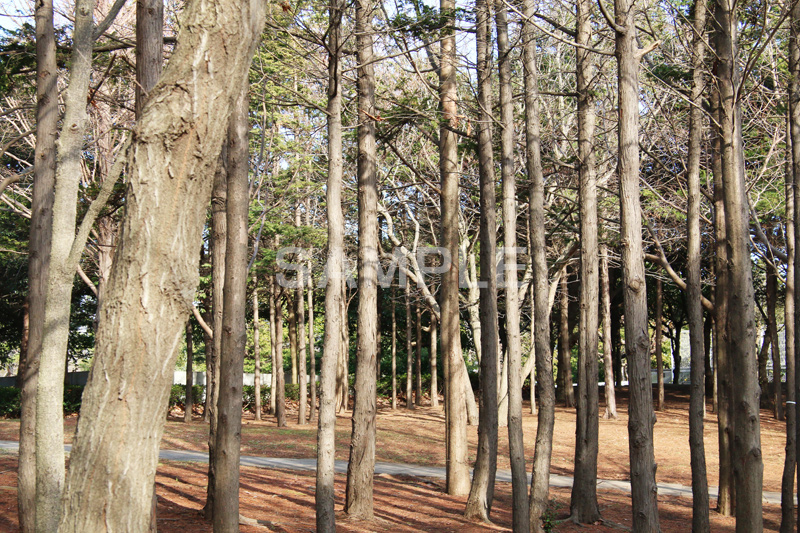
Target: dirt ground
<point>283,500</point>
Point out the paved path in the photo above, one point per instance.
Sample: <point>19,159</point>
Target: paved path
<point>435,472</point>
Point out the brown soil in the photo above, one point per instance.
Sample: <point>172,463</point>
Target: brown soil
<point>283,500</point>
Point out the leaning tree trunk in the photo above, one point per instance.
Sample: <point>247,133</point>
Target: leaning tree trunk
<point>361,466</point>
<point>44,175</point>
<point>152,283</point>
<point>540,477</point>
<point>637,344</point>
<point>748,467</point>
<point>694,308</point>
<point>334,293</point>
<point>455,415</point>
<point>516,446</point>
<point>481,494</point>
<point>233,333</point>
<point>583,505</point>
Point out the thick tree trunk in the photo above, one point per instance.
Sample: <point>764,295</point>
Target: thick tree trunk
<point>233,332</point>
<point>481,494</point>
<point>790,464</point>
<point>583,505</point>
<point>189,401</point>
<point>772,329</point>
<point>637,343</point>
<point>291,306</point>
<point>540,477</point>
<point>564,353</point>
<point>219,200</point>
<point>334,293</point>
<point>302,354</point>
<point>278,369</point>
<point>44,175</point>
<point>256,350</point>
<point>794,141</point>
<point>361,466</point>
<point>149,293</point>
<point>694,309</point>
<point>747,462</point>
<point>456,413</point>
<point>519,482</point>
<point>658,345</point>
<point>608,364</point>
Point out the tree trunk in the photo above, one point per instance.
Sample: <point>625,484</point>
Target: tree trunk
<point>302,354</point>
<point>342,370</point>
<point>50,465</point>
<point>481,494</point>
<point>409,353</point>
<point>540,477</point>
<point>658,345</point>
<point>418,361</point>
<point>361,466</point>
<point>394,351</point>
<point>456,416</point>
<point>278,369</point>
<point>794,141</point>
<point>41,227</point>
<point>219,196</point>
<point>790,464</point>
<point>189,401</point>
<point>273,338</point>
<point>761,362</point>
<point>324,497</point>
<point>233,332</point>
<point>115,452</point>
<point>291,306</point>
<point>312,355</point>
<point>583,505</point>
<point>608,364</point>
<point>747,464</point>
<point>641,416</point>
<point>694,309</point>
<point>434,362</point>
<point>772,329</point>
<point>519,482</point>
<point>256,350</point>
<point>564,352</point>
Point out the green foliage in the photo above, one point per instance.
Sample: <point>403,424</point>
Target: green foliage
<point>10,400</point>
<point>249,397</point>
<point>293,391</point>
<point>177,395</point>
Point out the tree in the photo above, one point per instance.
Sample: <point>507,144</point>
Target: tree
<point>641,416</point>
<point>361,467</point>
<point>116,446</point>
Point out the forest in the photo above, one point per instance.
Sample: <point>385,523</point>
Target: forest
<point>381,206</point>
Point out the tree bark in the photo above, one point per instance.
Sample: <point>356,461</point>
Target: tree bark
<point>312,355</point>
<point>794,141</point>
<point>657,349</point>
<point>637,343</point>
<point>189,401</point>
<point>361,466</point>
<point>324,498</point>
<point>772,329</point>
<point>694,309</point>
<point>409,352</point>
<point>583,505</point>
<point>434,362</point>
<point>291,306</point>
<point>418,358</point>
<point>150,291</point>
<point>394,351</point>
<point>41,226</point>
<point>219,226</point>
<point>278,369</point>
<point>540,477</point>
<point>564,352</point>
<point>273,386</point>
<point>747,462</point>
<point>302,353</point>
<point>608,363</point>
<point>233,332</point>
<point>481,494</point>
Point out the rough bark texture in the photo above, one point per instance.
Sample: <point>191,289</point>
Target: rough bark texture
<point>775,349</point>
<point>694,308</point>
<point>153,281</point>
<point>418,358</point>
<point>519,481</point>
<point>409,352</point>
<point>434,361</point>
<point>302,354</point>
<point>273,346</point>
<point>540,477</point>
<point>50,465</point>
<point>567,394</point>
<point>278,369</point>
<point>658,345</point>
<point>233,332</point>
<point>218,242</point>
<point>291,307</point>
<point>747,463</point>
<point>637,342</point>
<point>44,175</point>
<point>394,351</point>
<point>334,293</point>
<point>794,134</point>
<point>312,356</point>
<point>481,494</point>
<point>455,415</point>
<point>583,505</point>
<point>608,363</point>
<point>361,466</point>
<point>256,350</point>
<point>189,401</point>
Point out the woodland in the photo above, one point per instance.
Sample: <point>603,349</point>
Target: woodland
<point>461,205</point>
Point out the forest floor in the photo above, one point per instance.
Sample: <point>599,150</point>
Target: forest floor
<point>283,500</point>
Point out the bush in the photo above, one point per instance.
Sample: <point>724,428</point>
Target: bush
<point>293,391</point>
<point>177,395</point>
<point>10,400</point>
<point>249,397</point>
<point>72,398</point>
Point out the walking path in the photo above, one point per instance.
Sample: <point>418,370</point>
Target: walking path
<point>435,472</point>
